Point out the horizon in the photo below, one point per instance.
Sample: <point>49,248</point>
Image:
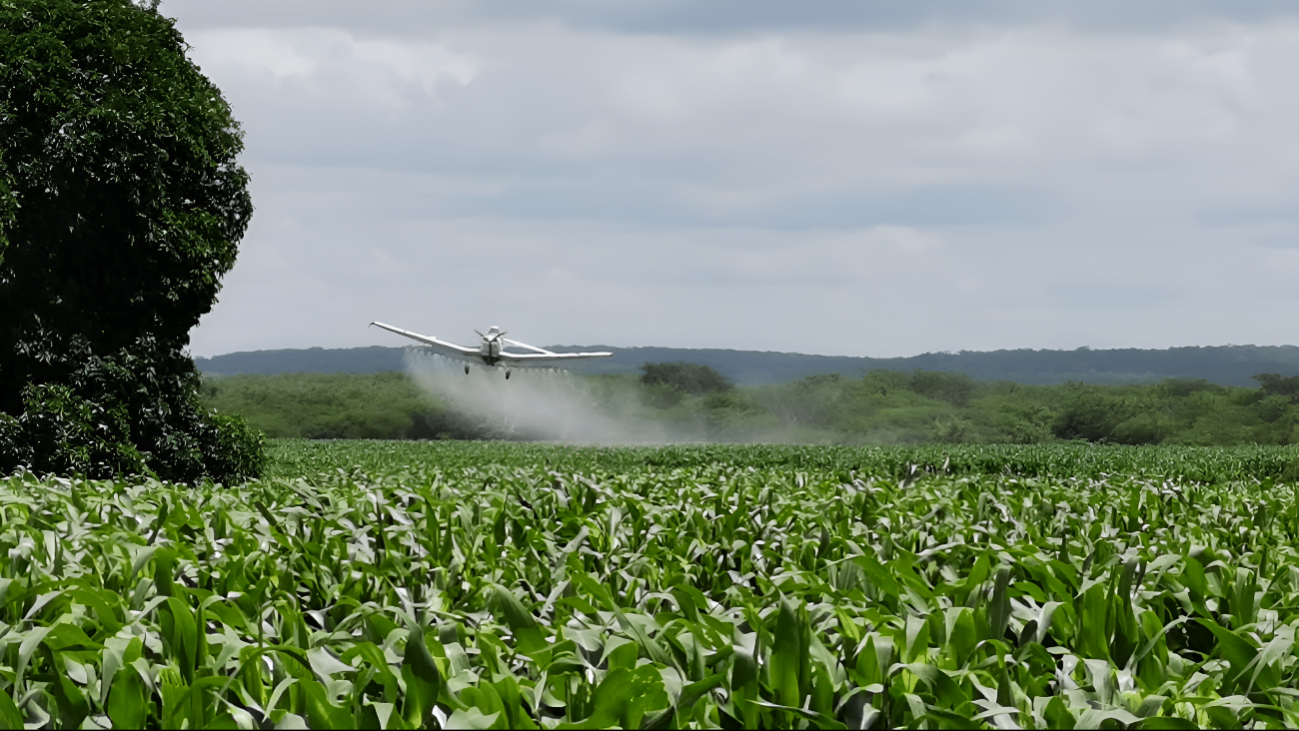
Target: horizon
<point>786,352</point>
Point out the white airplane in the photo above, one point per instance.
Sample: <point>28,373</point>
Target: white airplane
<point>491,351</point>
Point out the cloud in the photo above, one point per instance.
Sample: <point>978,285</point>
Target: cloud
<point>867,179</point>
<point>723,17</point>
<point>333,64</point>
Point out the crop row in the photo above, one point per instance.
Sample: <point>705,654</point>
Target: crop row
<point>296,457</point>
<point>711,596</point>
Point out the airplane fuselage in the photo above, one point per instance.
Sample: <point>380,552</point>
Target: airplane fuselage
<point>490,351</point>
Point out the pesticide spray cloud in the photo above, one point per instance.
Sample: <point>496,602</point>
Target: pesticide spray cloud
<point>535,403</point>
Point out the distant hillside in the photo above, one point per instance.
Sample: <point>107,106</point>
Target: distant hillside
<point>1230,365</point>
<point>374,359</point>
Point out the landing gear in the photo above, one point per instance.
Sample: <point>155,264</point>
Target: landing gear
<point>466,369</point>
<point>507,375</point>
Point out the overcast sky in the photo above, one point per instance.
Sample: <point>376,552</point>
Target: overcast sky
<point>847,178</point>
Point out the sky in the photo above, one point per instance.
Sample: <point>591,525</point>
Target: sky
<point>844,178</point>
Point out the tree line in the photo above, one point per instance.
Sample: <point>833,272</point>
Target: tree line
<point>879,407</point>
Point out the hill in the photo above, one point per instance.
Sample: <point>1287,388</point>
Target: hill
<point>1229,365</point>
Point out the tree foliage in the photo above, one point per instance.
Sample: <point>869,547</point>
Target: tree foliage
<point>691,378</point>
<point>878,408</point>
<point>1274,384</point>
<point>125,206</point>
<point>341,406</point>
<point>954,388</point>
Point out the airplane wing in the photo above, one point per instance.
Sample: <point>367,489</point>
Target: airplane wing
<point>541,355</point>
<point>539,358</point>
<point>441,346</point>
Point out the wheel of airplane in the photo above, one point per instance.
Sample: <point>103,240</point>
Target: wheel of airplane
<point>466,369</point>
<point>507,375</point>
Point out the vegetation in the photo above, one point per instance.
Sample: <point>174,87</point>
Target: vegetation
<point>1275,384</point>
<point>470,585</point>
<point>1229,365</point>
<point>120,207</point>
<point>292,458</point>
<point>339,406</point>
<point>881,407</point>
<point>687,378</point>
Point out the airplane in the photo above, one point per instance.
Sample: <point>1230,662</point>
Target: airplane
<point>491,350</point>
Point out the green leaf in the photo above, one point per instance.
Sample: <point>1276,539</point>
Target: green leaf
<point>181,632</point>
<point>620,652</point>
<point>790,657</point>
<point>744,686</point>
<point>372,656</point>
<point>623,698</point>
<point>483,697</point>
<point>1193,576</point>
<point>321,714</point>
<point>1057,714</point>
<point>999,608</point>
<point>164,570</point>
<point>693,692</point>
<point>225,721</point>
<point>1092,717</point>
<point>1266,674</point>
<point>1234,649</point>
<point>423,681</point>
<point>292,722</point>
<point>1093,612</point>
<point>879,575</point>
<point>172,695</point>
<point>471,718</point>
<point>72,704</point>
<point>375,716</point>
<point>692,601</point>
<point>516,714</point>
<point>821,721</point>
<point>126,700</point>
<point>945,690</point>
<point>10,718</point>
<point>27,648</point>
<point>98,601</point>
<point>326,664</point>
<point>917,633</point>
<point>1165,723</point>
<point>520,621</point>
<point>962,637</point>
<point>65,636</point>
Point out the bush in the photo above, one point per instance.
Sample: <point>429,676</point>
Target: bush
<point>232,449</point>
<point>61,432</point>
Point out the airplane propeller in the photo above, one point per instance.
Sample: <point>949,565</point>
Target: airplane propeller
<point>495,336</point>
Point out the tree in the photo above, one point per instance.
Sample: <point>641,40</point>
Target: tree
<point>690,378</point>
<point>954,388</point>
<point>127,205</point>
<point>1090,412</point>
<point>1274,384</point>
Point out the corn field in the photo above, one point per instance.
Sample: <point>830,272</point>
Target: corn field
<point>731,592</point>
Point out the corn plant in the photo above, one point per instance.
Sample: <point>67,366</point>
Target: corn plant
<point>725,592</point>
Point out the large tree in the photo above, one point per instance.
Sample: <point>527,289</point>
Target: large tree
<point>123,207</point>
